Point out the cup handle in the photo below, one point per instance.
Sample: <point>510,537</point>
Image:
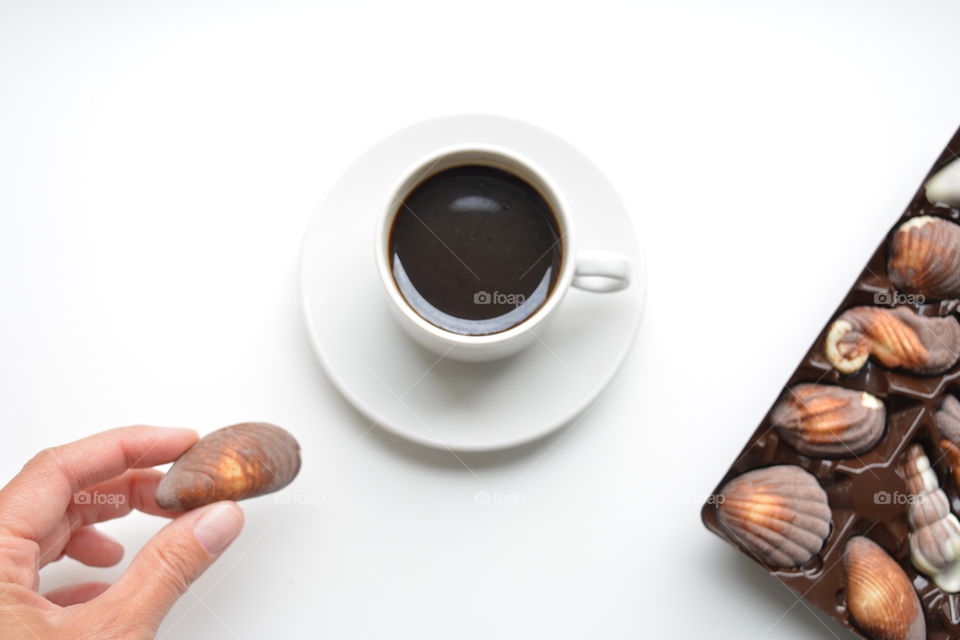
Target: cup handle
<point>602,271</point>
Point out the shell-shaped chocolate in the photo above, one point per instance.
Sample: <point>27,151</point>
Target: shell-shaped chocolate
<point>944,185</point>
<point>880,597</point>
<point>951,456</point>
<point>897,338</point>
<point>934,530</point>
<point>925,257</point>
<point>780,514</point>
<point>948,419</point>
<point>241,461</point>
<point>828,421</point>
<point>948,424</point>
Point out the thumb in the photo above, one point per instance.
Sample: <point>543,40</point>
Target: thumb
<point>166,567</point>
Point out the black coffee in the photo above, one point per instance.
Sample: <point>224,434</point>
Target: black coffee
<point>475,250</point>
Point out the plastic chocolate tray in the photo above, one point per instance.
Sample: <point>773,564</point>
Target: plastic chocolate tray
<point>866,485</point>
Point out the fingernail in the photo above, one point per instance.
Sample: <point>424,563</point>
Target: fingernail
<point>218,526</point>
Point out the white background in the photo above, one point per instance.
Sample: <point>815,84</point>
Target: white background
<point>158,166</point>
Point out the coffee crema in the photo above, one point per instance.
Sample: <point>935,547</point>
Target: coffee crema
<point>475,250</point>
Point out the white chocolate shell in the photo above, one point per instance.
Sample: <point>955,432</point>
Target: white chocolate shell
<point>934,530</point>
<point>944,185</point>
<point>780,514</point>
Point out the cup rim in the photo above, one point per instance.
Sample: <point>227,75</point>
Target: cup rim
<point>422,170</point>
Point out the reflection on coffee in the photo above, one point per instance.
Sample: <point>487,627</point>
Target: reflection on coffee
<point>475,250</point>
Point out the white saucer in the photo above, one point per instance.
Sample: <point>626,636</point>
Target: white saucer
<point>442,403</point>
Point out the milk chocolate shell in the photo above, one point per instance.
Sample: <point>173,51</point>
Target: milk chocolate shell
<point>779,513</point>
<point>233,463</point>
<point>880,597</point>
<point>925,258</point>
<point>829,421</point>
<point>897,338</point>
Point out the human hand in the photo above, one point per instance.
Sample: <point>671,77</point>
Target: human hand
<point>41,521</point>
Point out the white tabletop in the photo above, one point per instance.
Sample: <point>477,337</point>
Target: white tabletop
<point>158,166</point>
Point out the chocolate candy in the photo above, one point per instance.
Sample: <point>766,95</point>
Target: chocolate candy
<point>871,417</point>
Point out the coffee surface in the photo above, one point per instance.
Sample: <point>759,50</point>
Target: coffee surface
<point>475,250</point>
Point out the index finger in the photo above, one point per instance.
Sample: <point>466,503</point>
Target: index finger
<point>36,498</point>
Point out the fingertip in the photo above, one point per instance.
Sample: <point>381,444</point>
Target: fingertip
<point>192,433</point>
<point>115,552</point>
<point>174,558</point>
<point>167,443</point>
<point>180,433</point>
<point>167,434</point>
<point>183,436</point>
<point>218,525</point>
<point>109,556</point>
<point>94,548</point>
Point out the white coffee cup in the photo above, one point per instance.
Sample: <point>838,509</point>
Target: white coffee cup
<point>589,270</point>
